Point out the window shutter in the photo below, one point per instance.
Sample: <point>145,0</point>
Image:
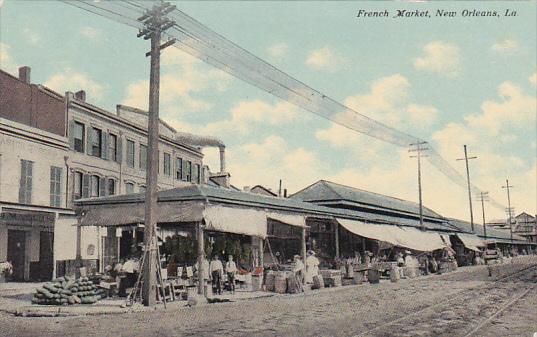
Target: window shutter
<point>89,140</point>
<point>102,187</point>
<point>104,145</point>
<point>22,182</point>
<point>29,182</point>
<point>119,153</point>
<point>72,134</point>
<point>85,186</point>
<point>52,187</point>
<point>184,170</point>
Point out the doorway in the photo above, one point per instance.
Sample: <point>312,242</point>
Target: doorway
<point>16,252</point>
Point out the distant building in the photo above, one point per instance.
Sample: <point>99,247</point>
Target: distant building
<point>526,226</point>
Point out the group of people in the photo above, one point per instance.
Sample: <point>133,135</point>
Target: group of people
<point>214,271</point>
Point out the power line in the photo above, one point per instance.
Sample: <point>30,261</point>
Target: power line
<point>201,42</point>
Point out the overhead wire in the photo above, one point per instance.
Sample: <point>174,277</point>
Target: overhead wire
<point>201,42</point>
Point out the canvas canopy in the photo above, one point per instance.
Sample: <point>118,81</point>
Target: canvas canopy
<point>472,242</point>
<point>236,220</point>
<point>290,219</point>
<point>407,237</point>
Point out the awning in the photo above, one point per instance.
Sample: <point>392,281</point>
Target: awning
<point>290,219</point>
<point>472,242</point>
<point>407,237</point>
<point>236,220</point>
<point>134,213</point>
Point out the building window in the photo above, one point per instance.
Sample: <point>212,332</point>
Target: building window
<point>112,146</point>
<point>196,173</point>
<point>111,187</point>
<point>77,193</point>
<point>178,168</point>
<point>142,189</point>
<point>188,171</point>
<point>143,157</point>
<point>25,188</point>
<point>129,188</point>
<point>55,186</point>
<point>94,186</point>
<point>78,135</point>
<point>167,164</point>
<point>96,142</point>
<point>130,153</point>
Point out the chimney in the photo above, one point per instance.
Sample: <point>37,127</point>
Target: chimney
<point>80,95</point>
<point>222,159</point>
<point>285,192</point>
<point>24,74</point>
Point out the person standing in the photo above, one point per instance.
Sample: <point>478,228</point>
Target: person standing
<point>231,269</point>
<point>217,270</point>
<point>312,266</point>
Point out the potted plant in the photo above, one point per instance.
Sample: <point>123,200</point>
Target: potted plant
<point>6,269</point>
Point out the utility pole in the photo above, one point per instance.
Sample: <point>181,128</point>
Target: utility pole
<point>155,22</point>
<point>469,186</point>
<point>509,209</point>
<point>418,149</point>
<point>483,197</point>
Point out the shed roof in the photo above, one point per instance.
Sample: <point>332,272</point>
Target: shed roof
<point>478,229</point>
<point>325,192</point>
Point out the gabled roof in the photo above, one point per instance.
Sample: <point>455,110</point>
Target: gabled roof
<point>326,192</point>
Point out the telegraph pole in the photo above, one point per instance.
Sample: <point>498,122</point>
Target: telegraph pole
<point>509,209</point>
<point>155,22</point>
<point>483,197</point>
<point>469,186</point>
<point>418,150</point>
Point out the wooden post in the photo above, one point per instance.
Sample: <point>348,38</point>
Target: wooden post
<point>303,252</point>
<point>201,257</point>
<point>261,252</point>
<point>336,235</point>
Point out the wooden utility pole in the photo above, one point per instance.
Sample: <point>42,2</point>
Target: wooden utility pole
<point>469,186</point>
<point>418,149</point>
<point>155,23</point>
<point>201,258</point>
<point>483,198</point>
<point>509,209</point>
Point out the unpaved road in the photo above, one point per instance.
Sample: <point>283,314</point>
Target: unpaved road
<point>441,305</point>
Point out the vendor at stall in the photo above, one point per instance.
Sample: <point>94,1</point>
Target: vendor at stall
<point>298,268</point>
<point>312,266</point>
<point>216,270</point>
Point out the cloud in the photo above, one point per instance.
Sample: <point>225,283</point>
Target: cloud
<point>533,79</point>
<point>6,61</point>
<point>70,80</point>
<point>91,33</point>
<point>31,36</point>
<point>439,57</point>
<point>505,46</point>
<point>247,114</point>
<point>278,50</point>
<point>183,77</point>
<point>326,59</point>
<point>269,161</point>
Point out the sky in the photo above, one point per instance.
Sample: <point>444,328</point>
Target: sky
<point>451,80</point>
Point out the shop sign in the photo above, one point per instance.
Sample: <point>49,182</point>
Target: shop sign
<point>27,218</point>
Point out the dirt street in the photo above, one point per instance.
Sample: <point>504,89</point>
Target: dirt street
<point>453,304</point>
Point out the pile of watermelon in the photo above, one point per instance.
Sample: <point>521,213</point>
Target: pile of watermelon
<point>68,291</point>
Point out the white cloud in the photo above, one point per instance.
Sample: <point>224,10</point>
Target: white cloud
<point>326,59</point>
<point>91,32</point>
<point>439,57</point>
<point>6,61</point>
<point>505,46</point>
<point>533,79</point>
<point>278,50</point>
<point>273,159</point>
<point>1,3</point>
<point>31,36</point>
<point>183,76</point>
<point>70,80</point>
<point>247,114</point>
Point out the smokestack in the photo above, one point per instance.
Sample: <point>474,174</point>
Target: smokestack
<point>24,74</point>
<point>222,159</point>
<point>80,95</point>
<point>285,192</point>
<point>280,189</point>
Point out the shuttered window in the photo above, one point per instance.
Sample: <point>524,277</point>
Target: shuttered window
<point>178,168</point>
<point>143,157</point>
<point>78,136</point>
<point>55,186</point>
<point>130,153</point>
<point>112,144</point>
<point>25,186</point>
<point>167,164</point>
<point>94,186</point>
<point>111,187</point>
<point>77,191</point>
<point>196,173</point>
<point>188,171</point>
<point>96,142</point>
<point>129,188</point>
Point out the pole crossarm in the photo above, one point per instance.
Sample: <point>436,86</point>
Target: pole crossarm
<point>509,208</point>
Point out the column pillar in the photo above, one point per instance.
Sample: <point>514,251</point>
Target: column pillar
<point>201,256</point>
